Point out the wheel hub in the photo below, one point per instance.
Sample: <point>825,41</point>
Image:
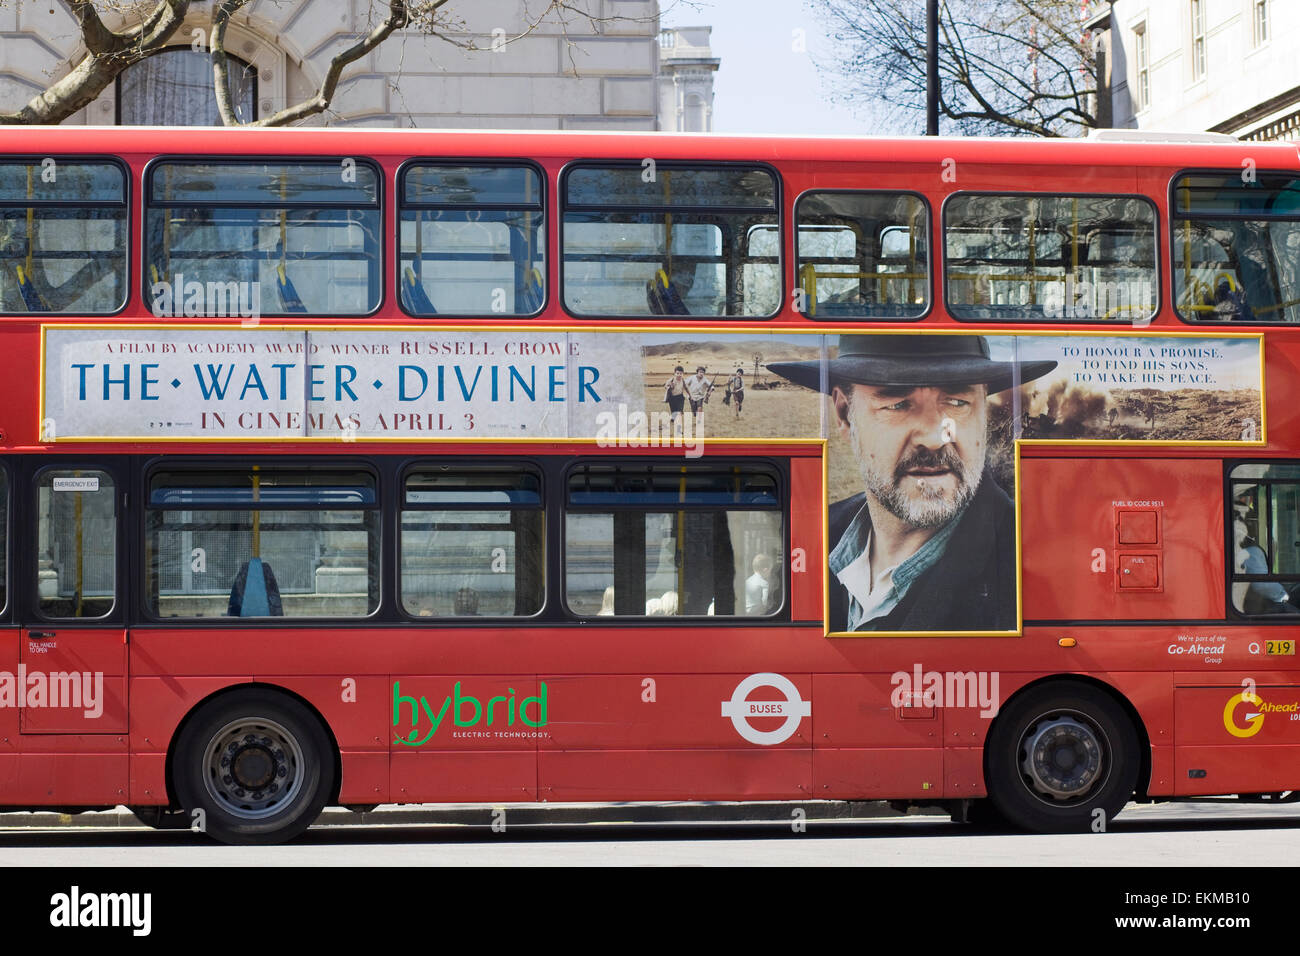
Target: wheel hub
<point>1062,758</point>
<point>254,767</point>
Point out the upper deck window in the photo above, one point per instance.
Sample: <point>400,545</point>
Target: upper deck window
<point>862,255</point>
<point>1052,258</point>
<point>62,236</point>
<point>255,238</point>
<point>473,240</point>
<point>664,239</point>
<point>1236,247</point>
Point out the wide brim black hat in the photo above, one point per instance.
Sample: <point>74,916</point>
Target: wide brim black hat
<point>916,360</point>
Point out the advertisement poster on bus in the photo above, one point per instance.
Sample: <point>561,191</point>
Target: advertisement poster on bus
<point>920,428</point>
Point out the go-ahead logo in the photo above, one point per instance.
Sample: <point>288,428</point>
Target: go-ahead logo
<point>793,708</point>
<point>1254,716</point>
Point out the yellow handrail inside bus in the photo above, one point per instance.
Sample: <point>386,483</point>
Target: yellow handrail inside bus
<point>257,514</point>
<point>808,282</point>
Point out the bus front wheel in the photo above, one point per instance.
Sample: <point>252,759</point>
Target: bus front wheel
<point>1062,758</point>
<point>257,765</point>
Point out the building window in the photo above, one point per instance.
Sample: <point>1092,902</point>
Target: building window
<point>1198,39</point>
<point>174,88</point>
<point>1142,56</point>
<point>1260,20</point>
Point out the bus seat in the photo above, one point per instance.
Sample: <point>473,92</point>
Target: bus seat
<point>289,297</point>
<point>413,295</point>
<point>31,298</point>
<point>672,298</point>
<point>663,297</point>
<point>255,592</point>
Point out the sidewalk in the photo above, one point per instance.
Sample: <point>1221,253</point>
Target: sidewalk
<point>519,814</point>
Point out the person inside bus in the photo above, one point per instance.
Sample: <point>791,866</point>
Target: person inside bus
<point>929,544</point>
<point>758,585</point>
<point>466,603</point>
<point>255,592</point>
<point>1257,597</point>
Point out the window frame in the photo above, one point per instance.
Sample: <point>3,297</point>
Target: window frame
<point>1157,285</point>
<point>127,205</point>
<point>463,465</point>
<point>400,205</point>
<point>1142,65</point>
<point>563,208</point>
<point>1196,18</point>
<point>1175,219</point>
<point>929,251</point>
<point>7,536</point>
<point>152,466</point>
<point>778,469</point>
<point>123,477</point>
<point>242,159</point>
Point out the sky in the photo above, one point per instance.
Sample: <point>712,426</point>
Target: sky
<point>764,85</point>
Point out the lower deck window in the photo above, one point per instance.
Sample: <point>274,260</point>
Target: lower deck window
<point>255,544</point>
<point>1264,534</point>
<point>673,541</point>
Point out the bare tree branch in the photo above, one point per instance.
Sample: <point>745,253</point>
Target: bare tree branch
<point>1024,67</point>
<point>107,55</point>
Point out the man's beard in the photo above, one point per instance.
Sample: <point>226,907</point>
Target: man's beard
<point>931,510</point>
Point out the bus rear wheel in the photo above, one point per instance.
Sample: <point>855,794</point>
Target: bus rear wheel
<point>1060,754</point>
<point>257,765</point>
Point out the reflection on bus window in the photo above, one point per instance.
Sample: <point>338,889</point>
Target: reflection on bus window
<point>862,255</point>
<point>1266,539</point>
<point>1236,247</point>
<point>473,241</point>
<point>256,239</point>
<point>1072,258</point>
<point>4,540</point>
<point>262,543</point>
<point>76,550</point>
<point>671,241</point>
<point>717,554</point>
<point>472,543</point>
<point>62,237</point>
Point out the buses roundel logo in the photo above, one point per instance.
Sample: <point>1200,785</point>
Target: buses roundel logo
<point>793,708</point>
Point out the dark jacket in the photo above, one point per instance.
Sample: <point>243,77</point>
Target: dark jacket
<point>972,587</point>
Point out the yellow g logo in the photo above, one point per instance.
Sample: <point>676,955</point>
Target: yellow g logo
<point>1254,721</point>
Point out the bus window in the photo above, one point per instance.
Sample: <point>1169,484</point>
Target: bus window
<point>262,239</point>
<point>862,255</point>
<point>1236,247</point>
<point>62,236</point>
<point>659,540</point>
<point>76,544</point>
<point>671,240</point>
<point>472,542</point>
<point>4,540</point>
<point>1081,258</point>
<point>473,241</point>
<point>262,542</point>
<point>1265,539</point>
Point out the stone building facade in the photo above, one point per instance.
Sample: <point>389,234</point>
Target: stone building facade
<point>606,71</point>
<point>1224,66</point>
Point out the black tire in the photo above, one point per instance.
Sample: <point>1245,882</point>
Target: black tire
<point>257,764</point>
<point>1057,755</point>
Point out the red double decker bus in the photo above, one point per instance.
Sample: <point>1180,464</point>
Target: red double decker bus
<point>415,467</point>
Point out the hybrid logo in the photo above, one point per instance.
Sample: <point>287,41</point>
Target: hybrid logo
<point>793,708</point>
<point>467,711</point>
